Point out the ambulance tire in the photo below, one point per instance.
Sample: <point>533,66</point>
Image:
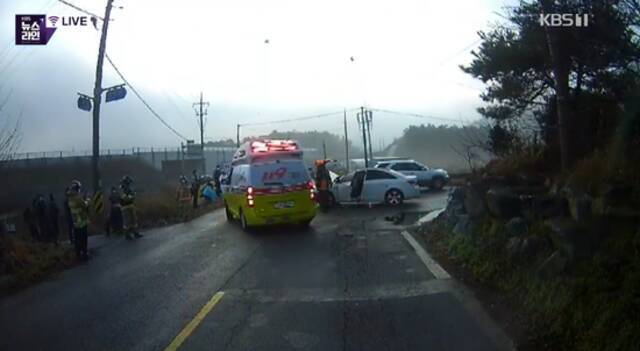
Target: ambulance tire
<point>243,222</point>
<point>228,213</point>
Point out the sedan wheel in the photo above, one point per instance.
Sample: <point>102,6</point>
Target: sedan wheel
<point>394,197</point>
<point>331,199</point>
<point>438,183</point>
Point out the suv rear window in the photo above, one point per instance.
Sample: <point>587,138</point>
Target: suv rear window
<point>279,173</point>
<point>406,166</point>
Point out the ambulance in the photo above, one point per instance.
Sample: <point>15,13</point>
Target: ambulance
<point>268,184</point>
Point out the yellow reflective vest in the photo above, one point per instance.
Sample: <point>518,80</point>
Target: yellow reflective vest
<point>79,210</point>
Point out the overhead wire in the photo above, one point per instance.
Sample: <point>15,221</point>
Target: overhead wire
<point>81,9</point>
<point>416,115</point>
<point>146,104</point>
<point>131,87</point>
<point>296,119</point>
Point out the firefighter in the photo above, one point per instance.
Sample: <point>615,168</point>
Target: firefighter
<point>323,183</point>
<point>183,197</point>
<point>67,216</point>
<point>79,208</point>
<point>195,189</point>
<point>217,173</point>
<point>127,206</point>
<point>40,207</point>
<point>114,223</point>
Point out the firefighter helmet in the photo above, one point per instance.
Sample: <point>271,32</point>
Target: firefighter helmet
<point>75,185</point>
<point>126,180</point>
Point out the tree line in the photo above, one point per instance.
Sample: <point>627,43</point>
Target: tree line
<point>568,90</point>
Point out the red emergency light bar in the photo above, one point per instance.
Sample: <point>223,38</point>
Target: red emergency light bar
<point>274,145</point>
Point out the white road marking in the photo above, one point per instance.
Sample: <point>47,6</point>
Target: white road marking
<point>364,293</point>
<point>430,216</point>
<point>431,264</point>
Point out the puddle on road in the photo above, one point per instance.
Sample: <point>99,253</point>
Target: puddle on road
<point>405,218</point>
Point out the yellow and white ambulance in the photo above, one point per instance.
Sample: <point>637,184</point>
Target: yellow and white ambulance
<point>268,183</point>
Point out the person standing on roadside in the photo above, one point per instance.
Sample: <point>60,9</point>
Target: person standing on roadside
<point>53,213</point>
<point>217,173</point>
<point>28,217</point>
<point>67,215</point>
<point>79,208</point>
<point>127,205</point>
<point>183,197</point>
<point>40,207</point>
<point>195,190</point>
<point>323,183</point>
<point>115,212</point>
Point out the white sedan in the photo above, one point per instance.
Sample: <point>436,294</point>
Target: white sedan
<point>373,185</point>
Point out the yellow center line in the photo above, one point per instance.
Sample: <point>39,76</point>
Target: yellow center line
<point>189,328</point>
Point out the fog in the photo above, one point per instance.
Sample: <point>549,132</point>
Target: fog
<point>254,62</point>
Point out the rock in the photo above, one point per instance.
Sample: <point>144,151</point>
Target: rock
<point>616,195</point>
<point>573,238</point>
<point>532,180</point>
<point>457,211</point>
<point>456,195</point>
<point>518,247</point>
<point>463,225</point>
<point>452,219</point>
<point>532,246</point>
<point>474,204</point>
<point>553,265</point>
<point>455,206</point>
<point>503,203</point>
<point>556,188</point>
<point>546,207</point>
<point>516,226</point>
<point>513,246</point>
<point>580,206</point>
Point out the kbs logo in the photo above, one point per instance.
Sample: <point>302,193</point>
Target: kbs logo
<point>563,20</point>
<point>32,30</point>
<point>38,29</point>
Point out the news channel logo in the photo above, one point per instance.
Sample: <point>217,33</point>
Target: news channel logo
<point>38,29</point>
<point>564,19</point>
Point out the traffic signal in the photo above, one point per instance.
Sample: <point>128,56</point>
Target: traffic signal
<point>84,103</point>
<point>116,93</point>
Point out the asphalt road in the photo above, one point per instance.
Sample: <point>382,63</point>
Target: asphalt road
<point>351,282</point>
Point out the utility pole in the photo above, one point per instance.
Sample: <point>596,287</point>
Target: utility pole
<point>362,123</point>
<point>369,117</point>
<point>324,149</point>
<point>201,113</point>
<point>237,135</point>
<point>346,141</point>
<point>97,92</point>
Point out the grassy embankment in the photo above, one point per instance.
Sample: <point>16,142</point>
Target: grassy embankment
<point>24,262</point>
<point>593,304</point>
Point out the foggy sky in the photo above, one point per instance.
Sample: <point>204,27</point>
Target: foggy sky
<point>406,56</point>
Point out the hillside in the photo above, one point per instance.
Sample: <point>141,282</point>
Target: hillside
<point>448,147</point>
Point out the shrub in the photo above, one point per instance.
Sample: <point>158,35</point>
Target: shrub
<point>28,261</point>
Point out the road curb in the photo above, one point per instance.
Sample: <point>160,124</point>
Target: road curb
<point>429,262</point>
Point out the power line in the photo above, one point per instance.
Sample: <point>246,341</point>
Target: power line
<point>81,9</point>
<point>142,99</point>
<point>417,115</point>
<point>461,51</point>
<point>322,115</point>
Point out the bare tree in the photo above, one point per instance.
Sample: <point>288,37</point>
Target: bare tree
<point>10,135</point>
<point>473,147</point>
